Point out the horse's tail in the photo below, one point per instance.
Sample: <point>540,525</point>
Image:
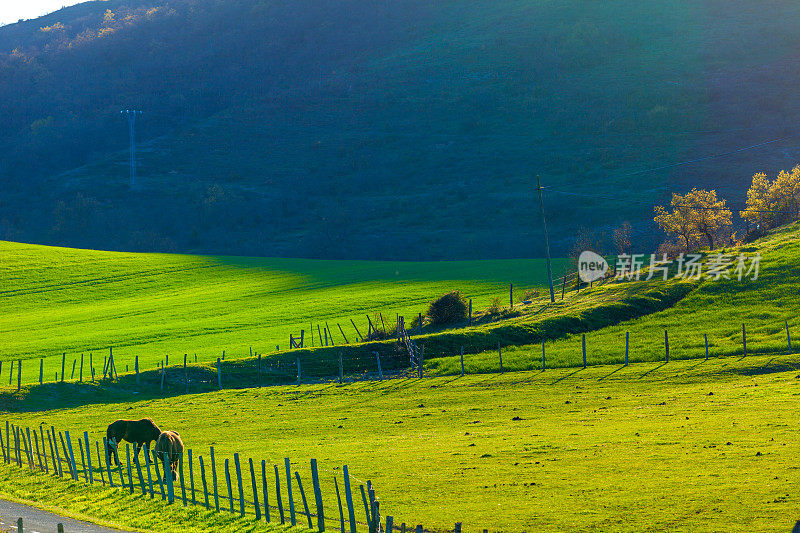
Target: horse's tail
<point>109,446</point>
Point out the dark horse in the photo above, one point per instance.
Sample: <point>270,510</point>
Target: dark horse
<point>138,432</point>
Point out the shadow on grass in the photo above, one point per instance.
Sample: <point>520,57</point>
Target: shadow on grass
<point>567,375</point>
<point>611,373</point>
<point>652,370</point>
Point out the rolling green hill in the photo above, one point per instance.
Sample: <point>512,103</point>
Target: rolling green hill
<point>58,300</point>
<point>383,130</point>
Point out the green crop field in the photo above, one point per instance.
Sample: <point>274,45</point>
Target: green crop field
<point>57,300</point>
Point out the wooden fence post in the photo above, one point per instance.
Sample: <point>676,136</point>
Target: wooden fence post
<point>214,480</point>
<point>366,509</point>
<point>788,338</point>
<point>19,525</point>
<point>191,476</point>
<point>342,332</point>
<point>317,496</point>
<point>99,460</point>
<point>238,466</point>
<point>91,365</point>
<point>38,455</point>
<point>341,367</point>
<point>41,371</point>
<point>462,360</point>
<point>544,361</point>
<point>52,451</point>
<point>63,360</point>
<point>356,328</point>
<point>19,375</point>
<point>72,376</point>
<point>58,456</point>
<point>168,478</point>
<point>349,498</point>
<point>380,370</point>
<point>289,496</point>
<point>130,469</point>
<point>80,376</point>
<point>228,482</point>
<point>627,346</point>
<point>303,497</point>
<point>88,456</point>
<point>469,320</point>
<point>330,333</point>
<point>706,338</point>
<point>278,493</point>
<point>149,475</point>
<point>500,355</point>
<point>744,341</point>
<point>186,373</point>
<point>583,346</point>
<point>83,462</point>
<point>219,374</point>
<point>264,488</point>
<point>255,489</point>
<point>203,478</point>
<point>159,479</point>
<point>339,499</point>
<point>258,373</point>
<point>139,472</point>
<point>666,345</point>
<point>71,457</point>
<point>298,370</point>
<point>181,478</point>
<point>511,295</point>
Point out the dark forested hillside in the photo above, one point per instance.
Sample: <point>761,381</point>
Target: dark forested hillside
<point>382,129</point>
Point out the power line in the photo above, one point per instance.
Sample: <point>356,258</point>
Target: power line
<point>131,115</point>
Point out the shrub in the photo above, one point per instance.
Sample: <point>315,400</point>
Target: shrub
<point>448,309</point>
<point>494,308</point>
<point>529,294</point>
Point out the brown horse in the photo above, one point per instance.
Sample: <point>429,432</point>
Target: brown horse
<point>138,432</point>
<point>169,444</point>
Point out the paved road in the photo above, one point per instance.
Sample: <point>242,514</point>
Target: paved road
<point>37,521</point>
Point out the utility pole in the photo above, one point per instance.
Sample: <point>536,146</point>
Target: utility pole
<point>546,241</point>
<point>131,114</point>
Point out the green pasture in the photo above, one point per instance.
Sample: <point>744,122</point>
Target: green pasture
<point>687,446</point>
<point>715,308</point>
<point>61,300</point>
<point>113,508</point>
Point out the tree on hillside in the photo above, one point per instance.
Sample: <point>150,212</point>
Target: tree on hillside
<point>622,239</point>
<point>770,203</point>
<point>698,214</point>
<point>710,215</point>
<point>786,194</point>
<point>759,200</point>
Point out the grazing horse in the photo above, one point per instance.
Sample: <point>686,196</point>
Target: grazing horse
<point>138,432</point>
<point>169,443</point>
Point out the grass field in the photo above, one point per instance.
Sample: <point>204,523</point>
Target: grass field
<point>687,446</point>
<point>57,300</point>
<point>716,308</point>
<point>113,508</point>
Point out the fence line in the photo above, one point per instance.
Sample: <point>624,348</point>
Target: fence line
<point>17,450</point>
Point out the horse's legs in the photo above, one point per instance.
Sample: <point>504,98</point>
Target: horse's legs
<point>116,451</point>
